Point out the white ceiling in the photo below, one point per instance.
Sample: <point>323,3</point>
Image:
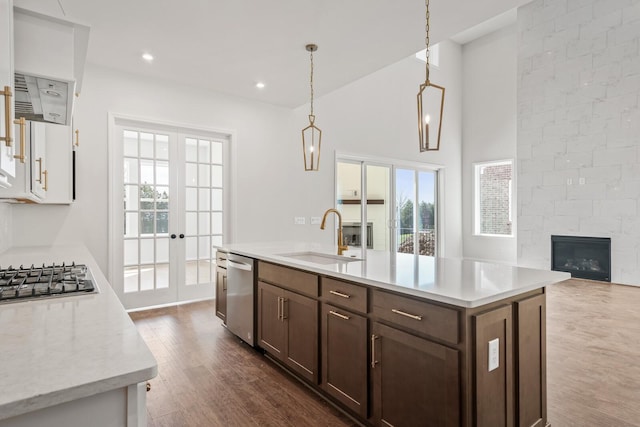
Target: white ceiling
<point>229,45</point>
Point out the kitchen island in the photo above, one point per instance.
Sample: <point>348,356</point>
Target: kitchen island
<point>403,340</point>
<point>70,361</point>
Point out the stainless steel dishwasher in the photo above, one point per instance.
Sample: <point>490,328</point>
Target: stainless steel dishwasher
<point>241,274</point>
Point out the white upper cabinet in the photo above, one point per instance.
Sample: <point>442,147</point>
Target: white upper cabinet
<point>7,162</point>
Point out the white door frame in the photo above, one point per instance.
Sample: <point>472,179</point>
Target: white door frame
<point>114,156</point>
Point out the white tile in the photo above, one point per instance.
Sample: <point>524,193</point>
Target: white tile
<point>623,190</point>
<point>617,156</point>
<point>561,177</point>
<point>573,160</point>
<point>600,226</point>
<point>620,208</point>
<point>582,208</point>
<point>593,191</point>
<point>602,174</point>
<point>562,224</point>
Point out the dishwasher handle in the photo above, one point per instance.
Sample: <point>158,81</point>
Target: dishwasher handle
<point>239,265</point>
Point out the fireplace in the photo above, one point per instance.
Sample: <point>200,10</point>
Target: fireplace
<point>583,257</point>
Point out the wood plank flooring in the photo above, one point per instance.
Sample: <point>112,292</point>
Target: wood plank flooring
<point>208,378</point>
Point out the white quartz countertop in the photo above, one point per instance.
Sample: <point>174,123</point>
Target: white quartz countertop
<point>61,349</point>
<point>460,282</point>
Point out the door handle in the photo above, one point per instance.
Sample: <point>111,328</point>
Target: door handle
<point>238,265</point>
<point>173,236</point>
<point>181,236</point>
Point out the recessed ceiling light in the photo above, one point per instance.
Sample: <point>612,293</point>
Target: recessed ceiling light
<point>147,57</point>
<point>260,85</point>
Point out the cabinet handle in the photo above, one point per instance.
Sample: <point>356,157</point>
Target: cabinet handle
<point>279,310</point>
<point>224,283</point>
<point>7,116</point>
<point>77,144</point>
<point>45,187</point>
<point>402,313</point>
<point>39,161</point>
<point>23,139</point>
<point>342,316</point>
<point>374,362</point>
<point>284,316</point>
<point>340,294</point>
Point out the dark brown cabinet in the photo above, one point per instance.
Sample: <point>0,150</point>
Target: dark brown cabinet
<point>221,286</point>
<point>288,329</point>
<point>415,381</point>
<point>344,357</point>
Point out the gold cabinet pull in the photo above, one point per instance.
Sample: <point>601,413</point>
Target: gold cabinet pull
<point>374,362</point>
<point>7,116</point>
<point>77,138</point>
<point>46,180</point>
<point>405,314</point>
<point>23,139</point>
<point>341,316</point>
<point>39,161</point>
<point>340,294</point>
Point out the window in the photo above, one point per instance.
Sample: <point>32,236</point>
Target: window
<point>493,198</point>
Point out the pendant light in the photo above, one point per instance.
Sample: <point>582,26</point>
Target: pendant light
<point>430,105</point>
<point>311,135</point>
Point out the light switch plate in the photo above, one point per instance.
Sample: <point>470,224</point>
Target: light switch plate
<point>494,354</point>
<point>315,220</point>
<point>299,220</point>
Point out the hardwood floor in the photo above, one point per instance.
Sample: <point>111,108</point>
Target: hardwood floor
<point>208,378</point>
<point>593,354</point>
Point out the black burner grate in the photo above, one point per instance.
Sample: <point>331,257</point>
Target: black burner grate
<point>46,281</point>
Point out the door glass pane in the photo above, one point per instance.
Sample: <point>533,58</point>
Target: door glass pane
<point>131,279</point>
<point>147,277</point>
<point>405,201</point>
<point>216,199</point>
<point>162,250</point>
<point>130,224</point>
<point>131,197</point>
<point>349,183</point>
<point>216,176</point>
<point>162,276</point>
<point>191,150</point>
<point>162,173</point>
<point>191,223</point>
<point>204,223</point>
<point>130,252</point>
<point>216,152</point>
<point>216,222</point>
<point>192,248</point>
<point>130,170</point>
<point>378,207</point>
<point>162,147</point>
<point>191,199</point>
<point>204,154</point>
<point>426,213</point>
<point>192,174</point>
<point>146,145</point>
<point>146,251</point>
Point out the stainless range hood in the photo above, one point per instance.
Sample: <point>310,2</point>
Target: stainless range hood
<point>43,99</point>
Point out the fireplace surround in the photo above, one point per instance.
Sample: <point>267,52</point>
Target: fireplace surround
<point>583,257</point>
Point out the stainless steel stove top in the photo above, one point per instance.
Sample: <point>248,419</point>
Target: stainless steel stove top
<point>57,280</point>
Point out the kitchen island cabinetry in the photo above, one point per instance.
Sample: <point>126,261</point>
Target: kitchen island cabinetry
<point>287,320</point>
<point>412,340</point>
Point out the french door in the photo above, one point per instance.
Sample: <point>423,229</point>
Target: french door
<point>167,212</point>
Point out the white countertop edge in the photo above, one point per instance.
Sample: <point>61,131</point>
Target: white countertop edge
<point>307,266</point>
<point>35,403</point>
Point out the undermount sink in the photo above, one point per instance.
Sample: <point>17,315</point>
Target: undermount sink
<point>320,258</point>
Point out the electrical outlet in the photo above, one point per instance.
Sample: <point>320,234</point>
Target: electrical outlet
<point>494,354</point>
<point>315,220</point>
<point>299,220</point>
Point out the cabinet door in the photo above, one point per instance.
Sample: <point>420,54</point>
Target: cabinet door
<point>7,162</point>
<point>415,381</point>
<point>531,337</point>
<point>344,357</point>
<point>38,173</point>
<point>301,315</point>
<point>59,166</point>
<point>221,293</point>
<point>493,375</point>
<point>271,324</point>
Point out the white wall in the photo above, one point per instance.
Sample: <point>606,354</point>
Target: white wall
<point>6,225</point>
<point>489,77</point>
<point>579,128</point>
<point>376,116</point>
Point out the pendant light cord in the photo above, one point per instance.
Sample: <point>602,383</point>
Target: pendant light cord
<point>426,39</point>
<point>311,79</point>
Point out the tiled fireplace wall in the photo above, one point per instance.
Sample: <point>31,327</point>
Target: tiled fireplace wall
<point>578,147</point>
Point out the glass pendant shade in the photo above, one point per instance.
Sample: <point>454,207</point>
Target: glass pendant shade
<point>311,139</point>
<point>430,108</point>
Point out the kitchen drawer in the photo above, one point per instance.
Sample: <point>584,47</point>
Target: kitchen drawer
<point>430,319</point>
<point>344,294</point>
<point>295,280</point>
<point>221,259</point>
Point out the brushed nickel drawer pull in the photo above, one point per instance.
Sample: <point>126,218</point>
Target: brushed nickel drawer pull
<point>342,316</point>
<point>374,362</point>
<point>340,294</point>
<point>402,313</point>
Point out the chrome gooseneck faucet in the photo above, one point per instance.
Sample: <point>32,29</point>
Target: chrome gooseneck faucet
<point>341,246</point>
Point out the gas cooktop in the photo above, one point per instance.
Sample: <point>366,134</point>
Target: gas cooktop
<point>57,280</point>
